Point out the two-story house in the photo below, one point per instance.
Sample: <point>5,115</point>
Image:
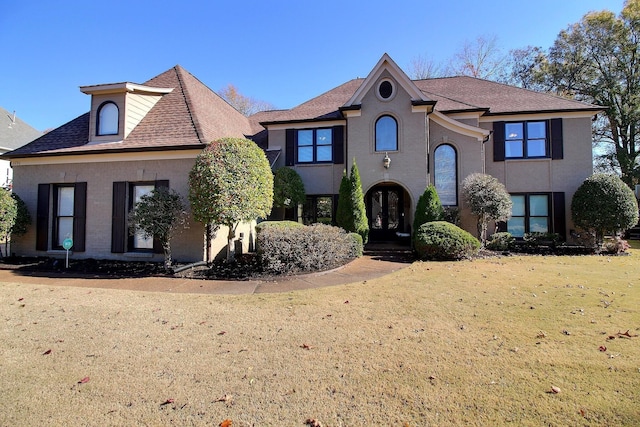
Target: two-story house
<point>81,179</point>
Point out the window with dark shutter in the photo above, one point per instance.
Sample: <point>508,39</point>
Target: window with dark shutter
<point>290,147</point>
<point>557,148</point>
<point>498,142</point>
<point>42,217</point>
<point>119,217</point>
<point>559,215</point>
<point>338,145</point>
<point>79,216</point>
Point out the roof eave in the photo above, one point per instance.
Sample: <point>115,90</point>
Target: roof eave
<point>105,151</point>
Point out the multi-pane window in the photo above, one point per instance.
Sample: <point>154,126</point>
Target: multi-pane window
<point>530,214</point>
<point>315,146</point>
<point>386,134</point>
<point>525,139</point>
<point>108,119</point>
<point>140,240</point>
<point>63,216</point>
<point>446,175</point>
<point>318,209</point>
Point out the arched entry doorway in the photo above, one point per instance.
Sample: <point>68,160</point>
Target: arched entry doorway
<point>386,212</point>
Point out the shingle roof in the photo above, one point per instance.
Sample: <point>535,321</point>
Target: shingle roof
<point>14,132</point>
<point>453,94</point>
<point>190,116</point>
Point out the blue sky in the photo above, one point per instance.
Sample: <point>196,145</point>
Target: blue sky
<point>282,52</point>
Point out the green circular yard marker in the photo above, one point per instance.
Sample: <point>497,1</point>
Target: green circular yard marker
<point>67,244</point>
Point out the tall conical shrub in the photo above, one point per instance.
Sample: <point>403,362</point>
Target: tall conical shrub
<point>351,213</point>
<point>428,209</point>
<point>360,221</point>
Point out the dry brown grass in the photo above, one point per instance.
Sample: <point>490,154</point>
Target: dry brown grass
<point>469,343</point>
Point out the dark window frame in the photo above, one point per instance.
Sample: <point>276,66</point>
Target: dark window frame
<point>435,177</point>
<point>311,203</point>
<point>55,226</point>
<point>527,211</point>
<point>376,134</point>
<point>98,114</point>
<point>525,140</point>
<point>314,146</point>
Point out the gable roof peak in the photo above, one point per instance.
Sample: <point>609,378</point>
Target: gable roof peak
<point>386,64</point>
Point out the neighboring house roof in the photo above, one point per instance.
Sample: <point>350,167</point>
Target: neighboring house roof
<point>190,116</point>
<point>14,132</point>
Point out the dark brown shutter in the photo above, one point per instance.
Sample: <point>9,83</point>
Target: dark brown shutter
<point>557,148</point>
<point>79,216</point>
<point>290,147</point>
<point>42,218</point>
<point>559,215</point>
<point>157,246</point>
<point>498,142</point>
<point>338,144</point>
<point>501,226</point>
<point>118,217</point>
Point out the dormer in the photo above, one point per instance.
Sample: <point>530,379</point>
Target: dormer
<point>117,108</point>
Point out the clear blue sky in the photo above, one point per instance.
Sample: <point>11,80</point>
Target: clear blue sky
<point>282,52</point>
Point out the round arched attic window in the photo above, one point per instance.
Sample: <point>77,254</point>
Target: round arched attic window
<point>386,90</point>
<point>108,117</point>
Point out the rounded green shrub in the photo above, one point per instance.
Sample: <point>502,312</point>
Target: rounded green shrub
<point>603,205</point>
<point>300,249</point>
<point>443,241</point>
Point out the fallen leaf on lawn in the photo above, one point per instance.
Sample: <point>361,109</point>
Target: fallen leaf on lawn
<point>555,390</point>
<point>222,332</point>
<point>227,398</point>
<point>306,346</point>
<point>346,302</point>
<point>603,348</point>
<point>626,334</point>
<point>20,299</point>
<point>167,402</point>
<point>313,423</point>
<point>84,380</point>
<point>46,352</point>
<point>226,423</point>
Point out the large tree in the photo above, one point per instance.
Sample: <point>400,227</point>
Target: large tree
<point>230,182</point>
<point>597,60</point>
<point>244,104</point>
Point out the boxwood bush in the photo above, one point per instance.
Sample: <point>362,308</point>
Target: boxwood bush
<point>288,249</point>
<point>441,240</point>
<point>502,241</point>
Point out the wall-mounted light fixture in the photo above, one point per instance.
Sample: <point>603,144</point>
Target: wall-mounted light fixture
<point>386,162</point>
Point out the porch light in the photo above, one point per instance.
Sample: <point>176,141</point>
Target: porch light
<point>386,162</point>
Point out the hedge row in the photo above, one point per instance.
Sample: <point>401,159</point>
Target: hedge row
<point>289,247</point>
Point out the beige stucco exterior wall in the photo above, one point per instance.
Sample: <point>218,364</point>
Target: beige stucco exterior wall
<point>187,246</point>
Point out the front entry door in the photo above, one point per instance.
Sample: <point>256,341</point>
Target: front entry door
<point>385,206</point>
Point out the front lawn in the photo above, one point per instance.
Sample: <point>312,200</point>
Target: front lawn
<point>520,340</point>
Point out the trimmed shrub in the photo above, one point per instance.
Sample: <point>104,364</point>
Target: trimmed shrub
<point>502,241</point>
<point>299,249</point>
<point>428,208</point>
<point>441,240</point>
<point>541,239</point>
<point>277,224</point>
<point>603,205</point>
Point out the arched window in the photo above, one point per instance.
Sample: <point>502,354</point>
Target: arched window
<point>446,174</point>
<point>107,119</point>
<point>386,134</point>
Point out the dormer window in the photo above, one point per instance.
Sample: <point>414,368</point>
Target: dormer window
<point>108,118</point>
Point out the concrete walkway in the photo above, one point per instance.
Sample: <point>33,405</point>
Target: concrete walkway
<point>364,268</point>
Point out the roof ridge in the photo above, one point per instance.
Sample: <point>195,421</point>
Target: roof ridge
<point>188,102</point>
